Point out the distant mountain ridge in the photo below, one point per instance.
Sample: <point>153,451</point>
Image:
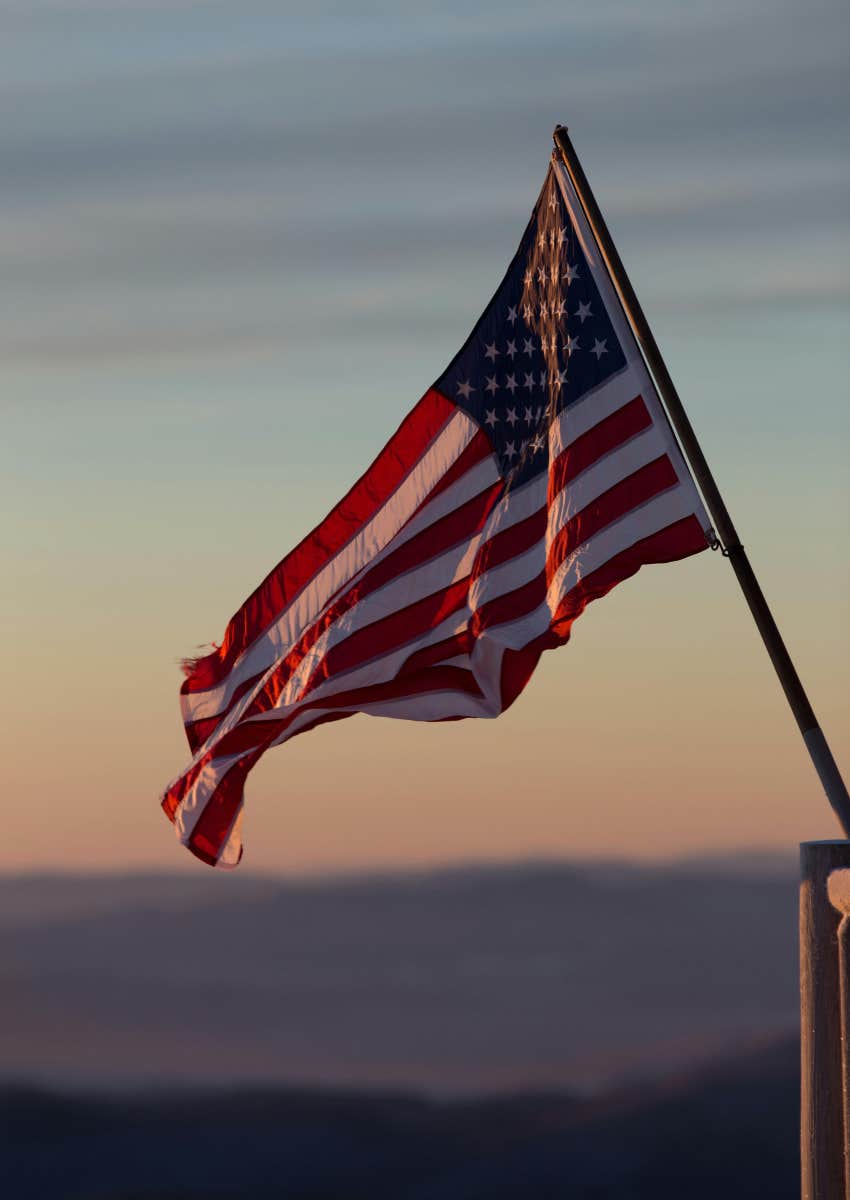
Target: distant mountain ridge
<point>28,895</point>
<point>480,979</point>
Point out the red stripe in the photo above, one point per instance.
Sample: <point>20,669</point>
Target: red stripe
<point>636,489</point>
<point>616,429</point>
<point>510,542</point>
<point>283,584</point>
<point>197,732</point>
<point>679,540</point>
<point>428,656</point>
<point>215,822</point>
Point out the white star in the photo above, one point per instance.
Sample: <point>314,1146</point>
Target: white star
<point>490,351</point>
<point>562,378</point>
<point>528,311</point>
<point>490,417</point>
<point>537,443</point>
<point>528,346</point>
<point>511,350</point>
<point>544,310</point>
<point>542,384</point>
<point>570,274</point>
<point>583,311</point>
<point>528,278</point>
<point>512,314</point>
<point>562,233</point>
<point>571,344</point>
<point>511,384</point>
<point>541,274</point>
<point>599,348</point>
<point>529,382</point>
<point>510,451</point>
<point>541,241</point>
<point>528,416</point>
<point>491,385</point>
<point>560,310</point>
<point>511,417</point>
<point>464,389</point>
<point>553,200</point>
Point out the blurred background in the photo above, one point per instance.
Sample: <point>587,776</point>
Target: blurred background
<point>237,242</point>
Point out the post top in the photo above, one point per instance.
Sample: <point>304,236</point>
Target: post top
<point>838,890</point>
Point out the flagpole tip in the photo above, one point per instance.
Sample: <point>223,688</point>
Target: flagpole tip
<point>559,129</point>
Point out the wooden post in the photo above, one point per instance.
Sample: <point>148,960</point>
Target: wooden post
<point>824,992</point>
<point>838,889</point>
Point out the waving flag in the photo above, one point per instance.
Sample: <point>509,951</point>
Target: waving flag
<point>537,472</point>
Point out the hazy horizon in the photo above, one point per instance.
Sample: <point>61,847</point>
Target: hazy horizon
<point>743,860</point>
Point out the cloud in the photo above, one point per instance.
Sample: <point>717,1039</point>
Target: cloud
<point>250,166</point>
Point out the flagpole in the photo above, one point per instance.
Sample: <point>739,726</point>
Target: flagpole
<point>816,744</point>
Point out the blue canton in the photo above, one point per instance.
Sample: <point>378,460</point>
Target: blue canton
<point>542,343</point>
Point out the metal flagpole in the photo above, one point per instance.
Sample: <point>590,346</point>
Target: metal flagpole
<point>816,743</point>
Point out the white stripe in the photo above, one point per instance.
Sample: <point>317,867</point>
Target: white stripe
<point>231,851</point>
<point>380,669</point>
<point>640,523</point>
<point>509,575</point>
<point>359,553</point>
<point>602,475</point>
<point>579,418</point>
<point>460,660</point>
<point>516,506</point>
<point>437,706</point>
<point>192,805</point>
<point>515,635</point>
<point>419,706</point>
<point>477,480</point>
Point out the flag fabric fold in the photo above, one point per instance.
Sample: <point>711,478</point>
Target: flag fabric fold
<point>536,473</point>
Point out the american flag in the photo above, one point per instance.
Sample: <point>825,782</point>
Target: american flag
<point>537,472</point>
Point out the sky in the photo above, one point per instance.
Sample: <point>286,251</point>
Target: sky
<point>237,243</point>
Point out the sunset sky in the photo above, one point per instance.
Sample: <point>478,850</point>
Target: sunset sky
<point>238,241</point>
